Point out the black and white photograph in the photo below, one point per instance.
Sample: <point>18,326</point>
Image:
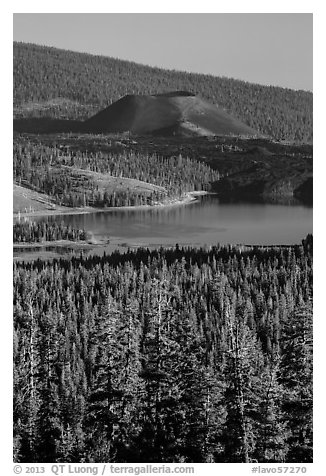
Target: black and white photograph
<point>162,240</point>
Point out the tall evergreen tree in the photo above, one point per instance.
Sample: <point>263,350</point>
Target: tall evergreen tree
<point>296,376</point>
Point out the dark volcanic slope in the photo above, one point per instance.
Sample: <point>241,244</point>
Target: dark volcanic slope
<point>180,113</point>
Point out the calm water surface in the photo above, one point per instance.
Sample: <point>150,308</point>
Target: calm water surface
<point>204,222</point>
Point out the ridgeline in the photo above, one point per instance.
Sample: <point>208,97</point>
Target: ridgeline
<point>60,84</point>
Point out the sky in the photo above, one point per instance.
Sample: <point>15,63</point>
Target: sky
<point>266,48</point>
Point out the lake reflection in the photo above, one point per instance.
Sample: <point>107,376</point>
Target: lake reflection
<point>206,221</point>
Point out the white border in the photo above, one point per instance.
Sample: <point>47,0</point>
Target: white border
<point>319,197</point>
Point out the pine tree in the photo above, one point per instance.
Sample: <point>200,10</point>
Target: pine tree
<point>272,431</point>
<point>47,444</point>
<point>244,363</point>
<point>101,421</point>
<point>296,377</point>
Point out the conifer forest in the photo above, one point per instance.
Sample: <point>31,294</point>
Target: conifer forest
<point>177,355</point>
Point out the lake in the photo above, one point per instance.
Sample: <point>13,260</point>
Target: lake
<point>206,221</point>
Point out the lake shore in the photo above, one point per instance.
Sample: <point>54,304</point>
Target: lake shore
<point>63,243</point>
<point>188,198</point>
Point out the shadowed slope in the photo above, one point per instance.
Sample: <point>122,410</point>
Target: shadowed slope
<point>180,113</point>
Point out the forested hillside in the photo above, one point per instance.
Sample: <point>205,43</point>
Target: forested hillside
<point>180,355</point>
<point>49,82</point>
<point>99,170</point>
<point>80,178</point>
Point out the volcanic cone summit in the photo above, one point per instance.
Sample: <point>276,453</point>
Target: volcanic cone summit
<point>171,113</point>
